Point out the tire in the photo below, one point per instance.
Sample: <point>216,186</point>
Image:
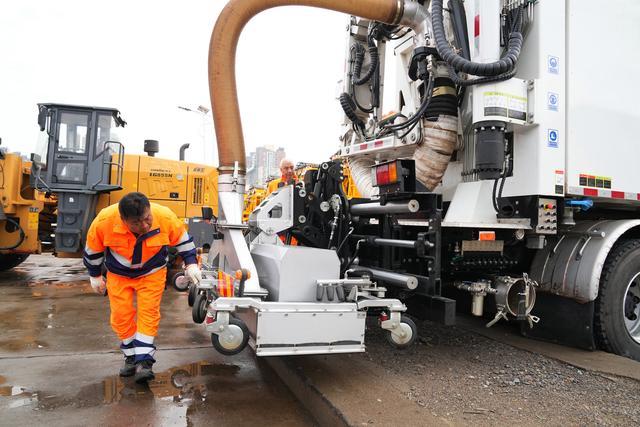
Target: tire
<point>193,292</point>
<point>199,310</point>
<point>229,348</point>
<point>178,283</point>
<point>409,327</point>
<point>8,261</point>
<point>617,326</point>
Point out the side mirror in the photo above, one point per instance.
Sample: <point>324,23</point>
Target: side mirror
<point>35,159</point>
<point>207,213</point>
<point>42,118</point>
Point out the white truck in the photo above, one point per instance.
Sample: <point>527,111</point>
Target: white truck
<point>505,180</point>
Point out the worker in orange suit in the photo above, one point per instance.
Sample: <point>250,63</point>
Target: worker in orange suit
<point>287,176</point>
<point>132,239</point>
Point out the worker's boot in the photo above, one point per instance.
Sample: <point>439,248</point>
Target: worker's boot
<point>144,372</point>
<point>129,367</point>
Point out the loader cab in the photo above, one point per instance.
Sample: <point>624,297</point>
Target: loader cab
<point>76,148</point>
<point>79,156</point>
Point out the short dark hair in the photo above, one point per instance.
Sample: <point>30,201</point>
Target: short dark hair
<point>133,205</point>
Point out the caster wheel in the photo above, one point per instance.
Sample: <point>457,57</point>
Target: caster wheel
<point>233,339</point>
<point>180,282</point>
<point>405,335</point>
<point>199,310</point>
<point>193,292</point>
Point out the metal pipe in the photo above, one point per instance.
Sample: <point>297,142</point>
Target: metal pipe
<point>396,279</point>
<point>377,241</point>
<point>411,206</point>
<point>222,53</point>
<point>183,148</point>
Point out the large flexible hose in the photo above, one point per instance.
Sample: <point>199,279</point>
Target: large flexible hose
<point>503,65</point>
<point>222,53</point>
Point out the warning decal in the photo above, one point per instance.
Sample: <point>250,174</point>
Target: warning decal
<point>505,105</point>
<point>595,181</point>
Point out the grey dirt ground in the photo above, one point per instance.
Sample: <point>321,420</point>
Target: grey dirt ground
<point>58,360</point>
<point>462,378</point>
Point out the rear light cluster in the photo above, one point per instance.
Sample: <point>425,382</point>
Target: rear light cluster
<point>385,174</point>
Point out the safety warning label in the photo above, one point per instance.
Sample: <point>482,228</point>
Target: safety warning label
<point>505,105</point>
<point>595,181</point>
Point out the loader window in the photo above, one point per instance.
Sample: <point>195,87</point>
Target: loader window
<point>70,172</point>
<point>72,132</point>
<point>106,132</point>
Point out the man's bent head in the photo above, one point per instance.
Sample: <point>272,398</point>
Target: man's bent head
<point>287,170</point>
<point>135,212</point>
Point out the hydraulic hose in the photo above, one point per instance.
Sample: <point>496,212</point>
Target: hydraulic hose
<point>373,65</point>
<point>492,79</point>
<point>349,108</point>
<point>222,53</point>
<point>504,65</point>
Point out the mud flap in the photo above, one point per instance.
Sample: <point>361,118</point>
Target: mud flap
<point>563,321</point>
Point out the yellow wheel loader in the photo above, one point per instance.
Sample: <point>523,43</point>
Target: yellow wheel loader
<point>79,168</point>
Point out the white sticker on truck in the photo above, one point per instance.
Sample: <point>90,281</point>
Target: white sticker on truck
<point>553,137</point>
<point>553,101</point>
<point>553,64</point>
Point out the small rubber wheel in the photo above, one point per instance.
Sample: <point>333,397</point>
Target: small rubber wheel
<point>180,282</point>
<point>404,336</point>
<point>193,292</point>
<point>233,339</point>
<point>199,310</point>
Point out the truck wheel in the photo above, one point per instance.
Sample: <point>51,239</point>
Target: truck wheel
<point>193,292</point>
<point>233,339</point>
<point>405,336</point>
<point>179,282</point>
<point>199,310</point>
<point>617,316</point>
<point>8,261</point>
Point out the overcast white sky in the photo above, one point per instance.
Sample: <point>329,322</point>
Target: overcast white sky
<point>147,57</point>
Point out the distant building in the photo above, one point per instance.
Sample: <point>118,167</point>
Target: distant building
<point>263,164</point>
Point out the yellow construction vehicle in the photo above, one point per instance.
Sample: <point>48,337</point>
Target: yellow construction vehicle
<point>252,199</point>
<point>80,167</point>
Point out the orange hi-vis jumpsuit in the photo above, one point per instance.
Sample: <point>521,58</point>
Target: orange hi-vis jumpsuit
<point>136,265</point>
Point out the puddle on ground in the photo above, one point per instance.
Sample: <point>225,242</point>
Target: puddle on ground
<point>25,343</point>
<point>185,385</point>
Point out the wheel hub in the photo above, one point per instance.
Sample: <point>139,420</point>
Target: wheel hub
<point>402,334</point>
<point>231,337</point>
<point>631,307</point>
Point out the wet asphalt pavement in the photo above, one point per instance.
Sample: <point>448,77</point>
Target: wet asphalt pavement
<point>59,361</point>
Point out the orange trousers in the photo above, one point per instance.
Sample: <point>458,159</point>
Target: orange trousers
<point>148,291</point>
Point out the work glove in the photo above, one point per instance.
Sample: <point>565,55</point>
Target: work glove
<point>98,285</point>
<point>193,273</point>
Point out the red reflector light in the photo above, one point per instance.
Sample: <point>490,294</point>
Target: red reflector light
<point>382,175</point>
<point>387,174</point>
<point>209,319</point>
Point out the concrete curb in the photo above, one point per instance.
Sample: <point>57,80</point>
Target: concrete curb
<point>349,390</point>
<point>317,404</point>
